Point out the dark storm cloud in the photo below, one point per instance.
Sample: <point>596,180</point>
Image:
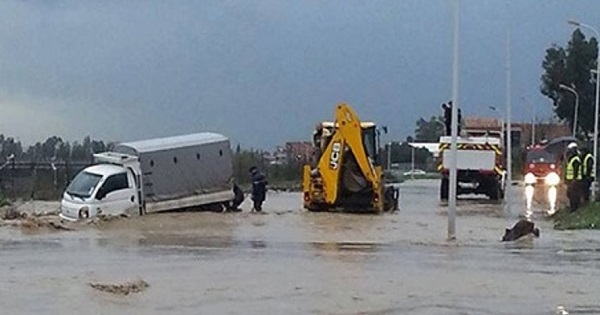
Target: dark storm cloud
<point>261,72</point>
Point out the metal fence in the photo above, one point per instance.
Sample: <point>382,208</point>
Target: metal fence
<point>36,180</point>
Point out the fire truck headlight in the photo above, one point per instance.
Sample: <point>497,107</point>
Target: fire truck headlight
<point>530,179</point>
<point>552,179</point>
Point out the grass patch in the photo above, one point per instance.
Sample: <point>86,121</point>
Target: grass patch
<point>585,218</point>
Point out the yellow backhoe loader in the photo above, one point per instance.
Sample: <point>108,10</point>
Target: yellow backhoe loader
<point>347,176</point>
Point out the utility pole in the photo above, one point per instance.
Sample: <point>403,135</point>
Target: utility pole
<point>533,121</point>
<point>389,157</point>
<point>454,129</point>
<point>412,149</point>
<point>508,127</point>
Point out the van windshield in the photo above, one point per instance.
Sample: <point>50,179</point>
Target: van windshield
<point>83,184</point>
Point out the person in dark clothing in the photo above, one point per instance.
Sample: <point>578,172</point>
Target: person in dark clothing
<point>587,160</point>
<point>573,177</point>
<point>259,188</point>
<point>447,108</point>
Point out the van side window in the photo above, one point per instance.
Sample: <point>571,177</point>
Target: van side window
<point>116,182</point>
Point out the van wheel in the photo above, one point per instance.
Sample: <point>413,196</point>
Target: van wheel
<point>231,206</point>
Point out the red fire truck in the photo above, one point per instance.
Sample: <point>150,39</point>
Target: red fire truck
<point>543,171</point>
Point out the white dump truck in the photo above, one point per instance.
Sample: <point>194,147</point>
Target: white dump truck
<point>188,171</point>
<point>480,165</point>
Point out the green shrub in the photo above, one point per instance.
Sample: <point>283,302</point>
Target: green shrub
<point>587,217</point>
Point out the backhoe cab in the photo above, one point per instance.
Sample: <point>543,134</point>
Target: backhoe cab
<point>347,175</point>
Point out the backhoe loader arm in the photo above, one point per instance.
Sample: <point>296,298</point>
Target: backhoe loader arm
<point>347,134</point>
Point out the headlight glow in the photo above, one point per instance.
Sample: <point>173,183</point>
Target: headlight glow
<point>84,212</point>
<point>552,179</point>
<point>530,179</point>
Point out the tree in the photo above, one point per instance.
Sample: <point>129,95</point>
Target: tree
<point>63,152</point>
<point>10,146</point>
<point>78,152</point>
<point>243,160</point>
<point>402,153</point>
<point>429,131</point>
<point>571,66</point>
<point>49,148</point>
<point>98,146</point>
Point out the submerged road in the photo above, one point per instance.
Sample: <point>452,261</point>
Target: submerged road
<point>288,261</point>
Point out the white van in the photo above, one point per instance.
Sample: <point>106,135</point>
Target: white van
<point>154,175</point>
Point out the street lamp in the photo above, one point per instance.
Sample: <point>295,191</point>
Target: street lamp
<point>533,118</point>
<point>576,117</point>
<point>595,182</point>
<point>501,119</point>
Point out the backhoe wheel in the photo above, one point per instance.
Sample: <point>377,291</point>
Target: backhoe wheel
<point>444,188</point>
<point>316,209</point>
<point>390,201</point>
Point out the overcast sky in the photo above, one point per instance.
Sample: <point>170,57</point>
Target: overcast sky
<point>264,72</point>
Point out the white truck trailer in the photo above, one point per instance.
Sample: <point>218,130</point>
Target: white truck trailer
<point>480,166</point>
<point>194,170</point>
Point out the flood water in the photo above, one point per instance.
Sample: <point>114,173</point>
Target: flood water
<point>289,261</point>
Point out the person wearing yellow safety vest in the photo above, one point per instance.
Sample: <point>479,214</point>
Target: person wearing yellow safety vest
<point>587,160</point>
<point>573,176</point>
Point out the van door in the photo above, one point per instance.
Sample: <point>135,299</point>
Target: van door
<point>116,195</point>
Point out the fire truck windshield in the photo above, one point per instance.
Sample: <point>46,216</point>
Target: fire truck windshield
<point>540,156</point>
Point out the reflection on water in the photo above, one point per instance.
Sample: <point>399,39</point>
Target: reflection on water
<point>552,197</point>
<point>529,190</point>
<point>258,244</point>
<point>525,242</point>
<point>578,309</point>
<point>560,310</point>
<point>541,198</point>
<point>364,247</point>
<point>185,240</point>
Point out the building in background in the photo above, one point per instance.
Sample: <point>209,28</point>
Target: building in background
<point>521,132</point>
<point>292,152</point>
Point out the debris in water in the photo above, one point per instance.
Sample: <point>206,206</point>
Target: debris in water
<point>59,226</point>
<point>35,223</point>
<point>12,214</point>
<point>123,288</point>
<point>107,218</point>
<point>520,229</point>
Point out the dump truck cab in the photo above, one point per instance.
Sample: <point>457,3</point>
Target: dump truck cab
<point>479,164</point>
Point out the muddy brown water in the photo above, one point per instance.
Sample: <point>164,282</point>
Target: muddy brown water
<point>288,261</point>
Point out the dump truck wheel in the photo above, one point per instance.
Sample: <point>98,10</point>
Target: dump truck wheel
<point>444,188</point>
<point>493,189</point>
